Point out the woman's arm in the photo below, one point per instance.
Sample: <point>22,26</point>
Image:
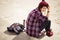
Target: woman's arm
<point>48,11</point>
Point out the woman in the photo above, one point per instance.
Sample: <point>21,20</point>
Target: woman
<point>36,21</point>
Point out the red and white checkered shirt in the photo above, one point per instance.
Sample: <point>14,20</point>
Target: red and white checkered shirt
<point>34,21</point>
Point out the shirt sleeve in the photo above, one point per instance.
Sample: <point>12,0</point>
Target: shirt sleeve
<point>43,18</point>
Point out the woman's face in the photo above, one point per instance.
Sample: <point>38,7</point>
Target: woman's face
<point>43,9</point>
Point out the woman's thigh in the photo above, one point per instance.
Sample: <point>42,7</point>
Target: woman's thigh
<point>45,25</point>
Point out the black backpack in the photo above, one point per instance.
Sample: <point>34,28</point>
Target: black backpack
<point>16,28</point>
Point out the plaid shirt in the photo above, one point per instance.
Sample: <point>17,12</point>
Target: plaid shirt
<point>34,21</point>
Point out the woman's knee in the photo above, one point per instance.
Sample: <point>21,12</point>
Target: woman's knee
<point>49,21</point>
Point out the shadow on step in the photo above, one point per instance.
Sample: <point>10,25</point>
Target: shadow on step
<point>24,36</point>
<point>9,33</point>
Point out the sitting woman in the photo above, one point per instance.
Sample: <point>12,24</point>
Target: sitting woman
<point>37,21</point>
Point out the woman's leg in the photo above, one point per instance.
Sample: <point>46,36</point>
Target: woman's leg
<point>48,30</point>
<point>46,25</point>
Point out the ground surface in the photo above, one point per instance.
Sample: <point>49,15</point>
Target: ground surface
<point>16,10</point>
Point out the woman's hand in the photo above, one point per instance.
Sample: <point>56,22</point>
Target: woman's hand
<point>48,11</point>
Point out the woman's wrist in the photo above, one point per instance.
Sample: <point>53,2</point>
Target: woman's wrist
<point>48,11</point>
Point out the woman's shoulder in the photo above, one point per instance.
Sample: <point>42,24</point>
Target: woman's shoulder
<point>34,11</point>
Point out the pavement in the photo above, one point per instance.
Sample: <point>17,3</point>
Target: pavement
<point>12,11</point>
